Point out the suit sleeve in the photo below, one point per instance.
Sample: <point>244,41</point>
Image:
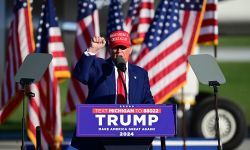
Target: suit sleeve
<point>148,95</point>
<point>84,68</point>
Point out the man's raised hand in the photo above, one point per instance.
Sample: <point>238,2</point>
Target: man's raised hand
<point>97,43</point>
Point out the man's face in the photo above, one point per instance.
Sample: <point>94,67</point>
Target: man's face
<point>121,51</point>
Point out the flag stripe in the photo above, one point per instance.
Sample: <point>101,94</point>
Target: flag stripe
<point>165,53</point>
<point>209,28</point>
<point>165,68</point>
<point>58,54</point>
<point>141,21</point>
<point>208,36</point>
<point>170,78</point>
<point>30,41</point>
<point>8,108</point>
<point>193,35</point>
<point>148,56</point>
<point>170,89</point>
<point>86,34</point>
<point>184,18</point>
<point>55,39</point>
<point>166,62</point>
<point>209,22</point>
<point>147,5</point>
<point>211,7</point>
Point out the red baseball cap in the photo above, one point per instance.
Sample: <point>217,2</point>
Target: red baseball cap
<point>119,38</point>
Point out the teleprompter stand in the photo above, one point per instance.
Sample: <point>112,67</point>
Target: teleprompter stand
<point>25,85</point>
<point>209,73</point>
<point>31,71</point>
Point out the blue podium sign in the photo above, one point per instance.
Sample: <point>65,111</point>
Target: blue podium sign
<point>130,120</point>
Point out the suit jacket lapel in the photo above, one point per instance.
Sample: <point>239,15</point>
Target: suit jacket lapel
<point>132,84</point>
<point>111,80</point>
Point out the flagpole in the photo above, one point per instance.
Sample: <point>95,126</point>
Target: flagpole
<point>215,51</point>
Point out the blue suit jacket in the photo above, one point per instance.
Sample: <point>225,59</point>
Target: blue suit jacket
<point>99,75</point>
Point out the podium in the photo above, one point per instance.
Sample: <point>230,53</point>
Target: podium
<point>129,126</point>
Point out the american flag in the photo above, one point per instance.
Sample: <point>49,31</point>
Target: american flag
<point>116,18</point>
<point>191,15</point>
<point>163,55</point>
<point>20,43</point>
<point>209,27</point>
<point>140,15</point>
<point>88,26</point>
<point>44,108</point>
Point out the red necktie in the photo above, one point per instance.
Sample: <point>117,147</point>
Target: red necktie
<point>121,96</point>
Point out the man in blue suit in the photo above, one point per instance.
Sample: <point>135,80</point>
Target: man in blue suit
<point>103,77</point>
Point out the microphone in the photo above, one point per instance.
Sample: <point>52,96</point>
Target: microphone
<point>120,63</point>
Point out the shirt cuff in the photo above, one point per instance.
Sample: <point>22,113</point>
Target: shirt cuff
<point>87,53</point>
